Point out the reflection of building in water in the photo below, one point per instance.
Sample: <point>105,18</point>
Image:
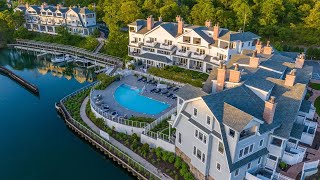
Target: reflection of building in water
<point>80,74</point>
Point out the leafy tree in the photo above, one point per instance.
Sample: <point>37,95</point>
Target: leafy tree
<point>202,11</point>
<point>313,19</point>
<point>130,11</point>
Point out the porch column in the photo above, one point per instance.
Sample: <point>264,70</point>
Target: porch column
<point>188,63</point>
<point>204,67</point>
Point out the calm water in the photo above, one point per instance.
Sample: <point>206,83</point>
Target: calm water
<point>131,99</point>
<point>35,143</point>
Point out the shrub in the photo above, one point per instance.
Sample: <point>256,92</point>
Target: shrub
<point>177,163</point>
<point>183,171</point>
<point>188,176</point>
<point>165,156</point>
<point>145,148</point>
<point>184,165</point>
<point>282,165</point>
<point>171,158</point>
<point>158,152</point>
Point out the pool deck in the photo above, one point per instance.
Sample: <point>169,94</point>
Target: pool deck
<point>108,97</point>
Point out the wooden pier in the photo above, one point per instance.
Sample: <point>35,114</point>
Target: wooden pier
<point>53,48</point>
<point>20,80</point>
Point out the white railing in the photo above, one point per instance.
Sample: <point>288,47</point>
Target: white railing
<point>182,53</point>
<point>198,56</point>
<point>107,146</point>
<point>279,176</point>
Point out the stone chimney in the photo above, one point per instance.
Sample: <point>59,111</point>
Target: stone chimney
<point>235,74</point>
<point>208,23</point>
<point>160,19</point>
<point>269,110</point>
<point>259,47</point>
<point>221,77</point>
<point>178,18</point>
<point>216,30</point>
<point>290,78</point>
<point>180,26</point>
<point>267,49</point>
<point>254,60</point>
<point>150,23</point>
<point>300,61</point>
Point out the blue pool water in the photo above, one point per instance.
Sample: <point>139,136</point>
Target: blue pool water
<point>130,98</point>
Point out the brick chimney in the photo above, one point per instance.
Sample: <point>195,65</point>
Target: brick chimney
<point>208,23</point>
<point>58,6</point>
<point>180,26</point>
<point>235,74</point>
<point>290,78</point>
<point>150,23</point>
<point>300,61</point>
<point>259,46</point>
<point>267,49</point>
<point>178,18</point>
<point>269,110</point>
<point>27,5</point>
<point>160,19</point>
<point>221,77</point>
<point>216,30</point>
<point>254,60</point>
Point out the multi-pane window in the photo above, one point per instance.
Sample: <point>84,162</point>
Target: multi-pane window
<point>208,120</point>
<point>200,136</point>
<point>197,152</point>
<point>179,138</point>
<point>249,165</point>
<point>261,143</point>
<point>194,150</point>
<point>232,132</point>
<point>203,157</point>
<point>201,51</point>
<point>259,160</point>
<point>245,151</point>
<point>195,111</point>
<point>221,148</point>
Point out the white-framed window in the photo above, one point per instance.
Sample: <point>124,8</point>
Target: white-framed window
<point>195,112</point>
<point>220,147</point>
<point>245,151</point>
<point>232,132</point>
<point>179,138</point>
<point>249,165</point>
<point>196,133</point>
<point>236,173</point>
<point>199,154</point>
<point>259,160</point>
<point>249,43</point>
<point>203,157</point>
<point>251,148</point>
<point>200,136</point>
<point>208,120</point>
<point>261,143</point>
<point>218,166</point>
<point>194,150</point>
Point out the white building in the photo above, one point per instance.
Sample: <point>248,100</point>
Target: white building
<point>46,19</point>
<point>254,118</point>
<point>199,48</point>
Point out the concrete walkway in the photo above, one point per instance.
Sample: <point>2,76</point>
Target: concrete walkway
<point>120,146</point>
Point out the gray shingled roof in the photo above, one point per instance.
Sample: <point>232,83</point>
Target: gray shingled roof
<point>260,83</point>
<point>189,92</point>
<point>277,66</point>
<point>235,118</point>
<point>240,97</point>
<point>239,36</point>
<point>297,130</point>
<point>155,57</point>
<point>85,10</point>
<point>203,35</point>
<point>305,106</point>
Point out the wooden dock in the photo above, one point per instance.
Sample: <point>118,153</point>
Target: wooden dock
<point>53,48</point>
<point>20,80</point>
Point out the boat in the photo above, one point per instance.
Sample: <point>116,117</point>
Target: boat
<point>61,58</point>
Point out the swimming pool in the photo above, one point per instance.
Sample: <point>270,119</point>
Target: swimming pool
<point>130,98</point>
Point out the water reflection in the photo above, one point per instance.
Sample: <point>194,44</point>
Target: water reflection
<point>25,61</point>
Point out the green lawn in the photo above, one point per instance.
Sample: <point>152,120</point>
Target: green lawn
<point>315,86</point>
<point>317,105</point>
<point>142,119</point>
<point>178,74</point>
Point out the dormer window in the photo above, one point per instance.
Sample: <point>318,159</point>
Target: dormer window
<point>186,39</point>
<point>221,148</point>
<point>132,29</point>
<point>208,120</point>
<point>232,133</point>
<point>196,40</point>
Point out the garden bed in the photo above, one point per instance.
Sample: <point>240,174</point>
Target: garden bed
<point>315,86</point>
<point>178,74</point>
<point>166,161</point>
<point>317,105</point>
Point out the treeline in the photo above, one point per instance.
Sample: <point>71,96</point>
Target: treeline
<point>291,22</point>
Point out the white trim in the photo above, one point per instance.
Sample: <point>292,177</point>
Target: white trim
<point>217,166</point>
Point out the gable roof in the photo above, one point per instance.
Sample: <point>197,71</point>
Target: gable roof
<point>189,92</point>
<point>235,118</point>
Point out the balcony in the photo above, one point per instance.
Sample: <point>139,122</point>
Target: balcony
<point>166,46</point>
<point>181,52</point>
<point>151,43</point>
<point>198,56</point>
<point>245,134</point>
<point>259,175</point>
<point>293,156</point>
<point>43,22</point>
